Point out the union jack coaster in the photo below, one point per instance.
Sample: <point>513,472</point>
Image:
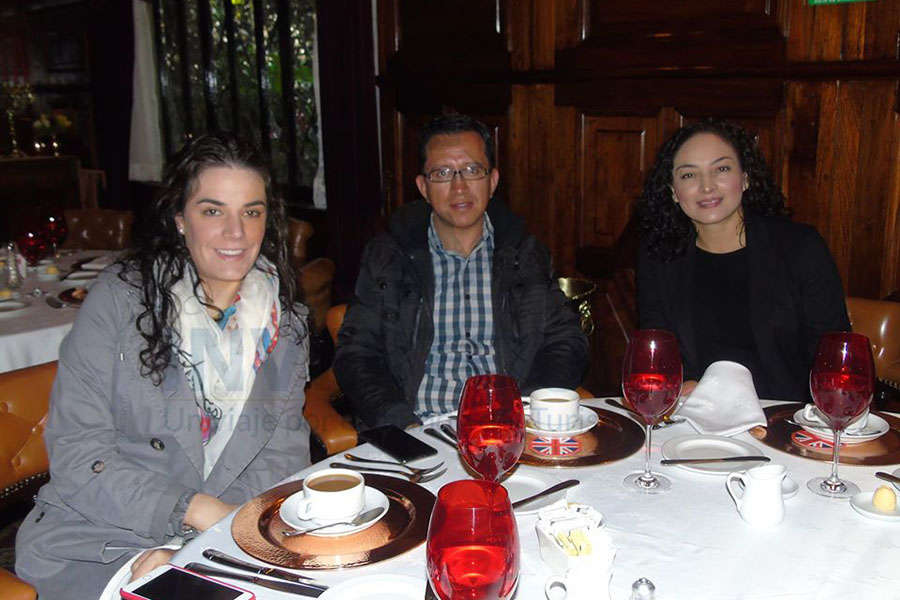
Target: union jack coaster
<point>546,446</point>
<point>808,440</point>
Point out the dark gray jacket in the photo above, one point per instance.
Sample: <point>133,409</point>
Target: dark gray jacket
<point>389,326</point>
<point>123,451</point>
<point>795,296</point>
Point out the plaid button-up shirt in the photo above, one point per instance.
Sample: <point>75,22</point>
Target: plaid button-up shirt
<point>463,342</point>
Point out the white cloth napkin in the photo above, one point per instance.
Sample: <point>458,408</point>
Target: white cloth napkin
<point>724,401</point>
<point>100,263</point>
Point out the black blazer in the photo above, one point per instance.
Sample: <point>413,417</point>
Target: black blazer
<point>795,296</point>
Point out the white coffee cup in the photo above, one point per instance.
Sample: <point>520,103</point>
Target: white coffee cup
<point>555,409</point>
<point>760,503</point>
<point>332,495</point>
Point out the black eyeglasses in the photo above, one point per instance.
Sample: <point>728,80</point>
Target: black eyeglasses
<point>471,172</point>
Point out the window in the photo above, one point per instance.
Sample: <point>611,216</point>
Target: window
<point>244,66</point>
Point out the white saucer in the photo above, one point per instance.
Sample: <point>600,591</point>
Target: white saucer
<point>521,485</point>
<point>377,587</point>
<point>81,275</point>
<point>288,513</point>
<point>13,304</point>
<point>587,417</point>
<point>874,429</point>
<point>862,503</point>
<point>711,446</point>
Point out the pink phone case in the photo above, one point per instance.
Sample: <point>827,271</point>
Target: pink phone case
<point>126,595</point>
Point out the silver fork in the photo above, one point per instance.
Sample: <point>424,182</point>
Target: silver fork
<point>423,470</point>
<point>414,477</point>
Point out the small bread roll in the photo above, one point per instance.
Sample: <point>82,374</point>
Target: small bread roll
<point>885,499</point>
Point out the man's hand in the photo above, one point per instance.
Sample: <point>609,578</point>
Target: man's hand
<point>687,387</point>
<point>148,561</point>
<point>204,511</point>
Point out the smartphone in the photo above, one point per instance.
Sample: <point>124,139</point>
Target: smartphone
<point>396,442</point>
<point>169,582</point>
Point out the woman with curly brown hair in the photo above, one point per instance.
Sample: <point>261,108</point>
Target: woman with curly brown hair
<point>723,267</point>
<point>179,393</point>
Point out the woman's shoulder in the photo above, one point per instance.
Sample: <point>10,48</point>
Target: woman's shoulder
<point>786,229</point>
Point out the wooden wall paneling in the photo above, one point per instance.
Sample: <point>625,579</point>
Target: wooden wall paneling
<point>614,154</point>
<point>882,30</point>
<point>872,104</point>
<point>566,186</point>
<point>569,23</point>
<point>802,109</point>
<point>515,186</point>
<point>890,265</point>
<point>864,30</point>
<point>543,216</point>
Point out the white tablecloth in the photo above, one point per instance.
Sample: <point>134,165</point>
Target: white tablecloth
<point>31,336</point>
<point>690,542</point>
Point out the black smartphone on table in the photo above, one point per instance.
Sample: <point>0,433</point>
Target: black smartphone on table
<point>397,443</point>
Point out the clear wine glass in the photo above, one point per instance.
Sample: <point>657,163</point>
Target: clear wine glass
<point>490,425</point>
<point>842,380</point>
<point>472,549</point>
<point>651,380</point>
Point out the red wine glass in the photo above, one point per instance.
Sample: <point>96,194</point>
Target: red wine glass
<point>491,425</point>
<point>33,246</point>
<point>651,380</point>
<point>473,543</point>
<point>55,231</point>
<point>842,380</point>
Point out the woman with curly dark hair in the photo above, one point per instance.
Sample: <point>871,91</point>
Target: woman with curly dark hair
<point>179,393</point>
<point>723,267</point>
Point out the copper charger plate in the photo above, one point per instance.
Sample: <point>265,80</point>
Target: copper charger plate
<point>68,297</point>
<point>614,437</point>
<point>884,450</point>
<point>257,527</point>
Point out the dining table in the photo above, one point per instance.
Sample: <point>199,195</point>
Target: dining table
<point>31,335</point>
<point>690,542</point>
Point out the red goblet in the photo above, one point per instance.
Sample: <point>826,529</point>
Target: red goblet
<point>473,543</point>
<point>491,425</point>
<point>651,380</point>
<point>33,246</point>
<point>842,380</point>
<point>55,231</point>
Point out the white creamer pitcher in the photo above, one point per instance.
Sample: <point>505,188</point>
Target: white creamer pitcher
<point>757,494</point>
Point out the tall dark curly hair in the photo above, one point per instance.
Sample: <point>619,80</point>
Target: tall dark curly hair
<point>666,229</point>
<point>161,258</point>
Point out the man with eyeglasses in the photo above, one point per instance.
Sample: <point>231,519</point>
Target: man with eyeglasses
<point>457,287</point>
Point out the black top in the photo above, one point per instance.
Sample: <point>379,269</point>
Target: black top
<point>721,307</point>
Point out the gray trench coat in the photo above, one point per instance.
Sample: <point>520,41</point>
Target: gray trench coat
<point>123,451</point>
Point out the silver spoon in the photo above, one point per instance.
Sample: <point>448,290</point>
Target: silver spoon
<point>413,477</point>
<point>357,520</point>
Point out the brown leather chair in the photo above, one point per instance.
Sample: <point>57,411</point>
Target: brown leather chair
<point>24,466</point>
<point>879,320</point>
<point>314,277</point>
<point>13,588</point>
<point>333,430</point>
<point>98,229</point>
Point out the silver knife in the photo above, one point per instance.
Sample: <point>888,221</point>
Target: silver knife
<point>449,432</point>
<point>550,490</point>
<point>691,461</point>
<point>438,435</point>
<point>226,559</point>
<point>304,589</point>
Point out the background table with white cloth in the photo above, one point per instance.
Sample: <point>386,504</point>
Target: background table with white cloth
<point>690,541</point>
<point>31,335</point>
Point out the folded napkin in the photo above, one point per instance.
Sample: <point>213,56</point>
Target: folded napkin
<point>99,263</point>
<point>724,401</point>
<point>814,417</point>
